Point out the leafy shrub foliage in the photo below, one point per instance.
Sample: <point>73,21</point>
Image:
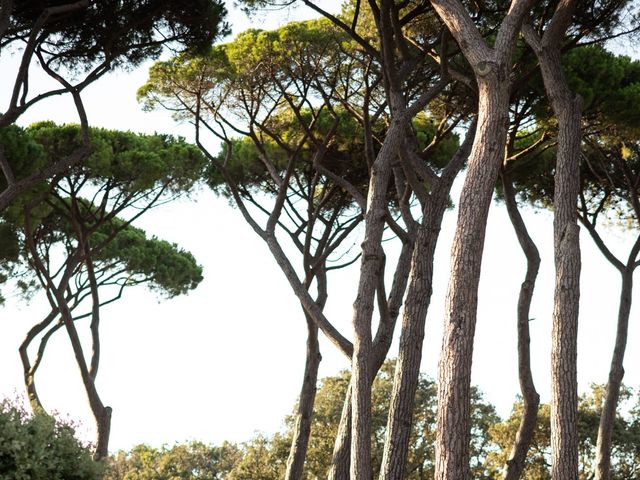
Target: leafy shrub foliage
<point>39,447</point>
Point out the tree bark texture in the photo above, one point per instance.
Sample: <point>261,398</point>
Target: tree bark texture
<point>370,270</point>
<point>530,398</point>
<point>410,350</point>
<point>414,316</point>
<point>564,383</point>
<point>616,372</point>
<point>302,428</point>
<point>491,67</point>
<point>340,459</point>
<point>454,370</point>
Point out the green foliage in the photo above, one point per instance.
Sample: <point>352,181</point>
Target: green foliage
<point>131,162</point>
<point>420,462</point>
<point>119,32</point>
<point>124,170</point>
<point>163,266</point>
<point>193,460</point>
<point>38,447</point>
<point>609,84</point>
<point>21,151</point>
<point>626,438</point>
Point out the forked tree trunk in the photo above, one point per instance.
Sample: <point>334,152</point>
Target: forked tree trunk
<point>340,459</point>
<point>57,300</point>
<point>567,107</point>
<point>370,270</point>
<point>530,398</point>
<point>492,67</point>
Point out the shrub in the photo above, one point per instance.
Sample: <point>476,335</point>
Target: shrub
<point>39,447</point>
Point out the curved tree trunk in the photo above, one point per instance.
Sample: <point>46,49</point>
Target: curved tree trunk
<point>302,428</point>
<point>28,369</point>
<point>616,372</point>
<point>57,300</point>
<point>530,397</point>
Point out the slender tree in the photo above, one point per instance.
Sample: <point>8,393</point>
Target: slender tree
<point>76,215</point>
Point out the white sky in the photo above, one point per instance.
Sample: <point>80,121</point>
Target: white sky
<point>227,359</point>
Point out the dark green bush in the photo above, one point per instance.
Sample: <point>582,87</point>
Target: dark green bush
<point>39,447</point>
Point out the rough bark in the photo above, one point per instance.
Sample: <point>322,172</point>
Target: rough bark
<point>370,270</point>
<point>453,434</point>
<point>414,318</point>
<point>567,107</point>
<point>530,398</point>
<point>491,67</point>
<point>304,413</point>
<point>340,463</point>
<point>340,458</point>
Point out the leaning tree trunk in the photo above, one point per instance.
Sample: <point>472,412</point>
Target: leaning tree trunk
<point>567,107</point>
<point>530,397</point>
<point>101,413</point>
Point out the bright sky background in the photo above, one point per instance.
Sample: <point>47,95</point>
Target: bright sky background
<point>227,359</point>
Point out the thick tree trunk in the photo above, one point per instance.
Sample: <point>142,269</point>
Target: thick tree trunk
<point>616,372</point>
<point>492,69</point>
<point>530,398</point>
<point>410,352</point>
<point>453,423</point>
<point>302,428</point>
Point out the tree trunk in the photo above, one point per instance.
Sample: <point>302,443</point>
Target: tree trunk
<point>340,459</point>
<point>530,397</point>
<point>616,372</point>
<point>564,382</point>
<point>101,413</point>
<point>302,428</point>
<point>370,270</point>
<point>453,417</point>
<point>414,318</point>
<point>410,351</point>
<point>28,369</point>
